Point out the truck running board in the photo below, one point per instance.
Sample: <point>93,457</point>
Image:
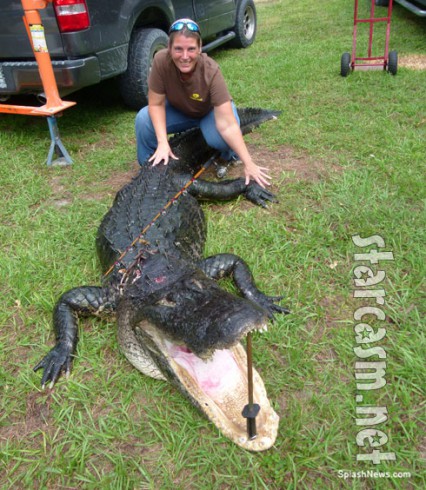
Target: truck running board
<point>220,40</point>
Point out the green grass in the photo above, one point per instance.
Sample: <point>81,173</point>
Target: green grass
<point>110,427</point>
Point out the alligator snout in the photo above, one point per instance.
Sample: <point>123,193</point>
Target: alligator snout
<point>196,312</point>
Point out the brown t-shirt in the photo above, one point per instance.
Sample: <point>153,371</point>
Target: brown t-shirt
<point>205,89</point>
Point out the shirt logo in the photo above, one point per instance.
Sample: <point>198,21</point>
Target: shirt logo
<point>196,97</point>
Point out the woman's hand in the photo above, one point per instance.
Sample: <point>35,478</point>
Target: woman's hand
<point>258,174</point>
<point>162,154</point>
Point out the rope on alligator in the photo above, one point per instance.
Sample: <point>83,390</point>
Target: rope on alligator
<point>160,213</point>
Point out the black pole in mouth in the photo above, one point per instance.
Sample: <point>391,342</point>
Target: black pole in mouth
<point>252,409</point>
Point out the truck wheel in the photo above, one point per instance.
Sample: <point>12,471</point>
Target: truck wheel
<point>144,44</point>
<point>245,24</point>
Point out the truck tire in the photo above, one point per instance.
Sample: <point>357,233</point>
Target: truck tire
<point>245,24</point>
<point>144,44</point>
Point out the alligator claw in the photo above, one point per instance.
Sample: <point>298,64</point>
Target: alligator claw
<point>258,195</point>
<point>268,303</point>
<point>58,360</point>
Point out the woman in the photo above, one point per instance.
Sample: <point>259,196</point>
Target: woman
<point>186,89</point>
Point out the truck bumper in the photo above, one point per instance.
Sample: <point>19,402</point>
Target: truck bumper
<point>22,77</point>
<point>419,9</point>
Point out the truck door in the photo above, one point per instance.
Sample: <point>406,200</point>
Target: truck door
<point>214,16</point>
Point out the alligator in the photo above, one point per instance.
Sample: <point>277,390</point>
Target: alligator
<point>175,323</point>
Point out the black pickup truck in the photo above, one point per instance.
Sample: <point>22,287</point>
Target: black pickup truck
<point>92,40</point>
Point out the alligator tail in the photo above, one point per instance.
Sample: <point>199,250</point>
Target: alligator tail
<point>251,118</point>
<point>192,149</point>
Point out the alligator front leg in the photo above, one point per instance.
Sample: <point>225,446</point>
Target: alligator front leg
<point>82,301</point>
<point>230,265</point>
<point>231,189</point>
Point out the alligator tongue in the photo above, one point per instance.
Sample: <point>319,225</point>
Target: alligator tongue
<point>216,377</point>
<point>219,376</point>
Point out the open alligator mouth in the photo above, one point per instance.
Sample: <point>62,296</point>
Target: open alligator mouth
<point>218,386</point>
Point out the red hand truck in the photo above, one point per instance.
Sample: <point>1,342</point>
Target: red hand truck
<point>387,62</point>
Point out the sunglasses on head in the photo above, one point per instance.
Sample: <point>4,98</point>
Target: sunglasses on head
<point>178,25</point>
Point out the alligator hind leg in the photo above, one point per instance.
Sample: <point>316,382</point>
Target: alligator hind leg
<point>82,301</point>
<point>230,265</point>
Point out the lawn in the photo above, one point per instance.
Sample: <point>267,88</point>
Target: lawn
<point>347,156</point>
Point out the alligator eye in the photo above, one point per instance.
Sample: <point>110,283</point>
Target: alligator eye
<point>166,302</point>
<point>194,284</point>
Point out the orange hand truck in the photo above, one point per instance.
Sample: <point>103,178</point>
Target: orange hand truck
<point>387,62</point>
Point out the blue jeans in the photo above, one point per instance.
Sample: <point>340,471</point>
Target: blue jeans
<point>176,122</point>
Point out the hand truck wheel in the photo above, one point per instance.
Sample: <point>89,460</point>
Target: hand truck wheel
<point>393,62</point>
<point>345,64</point>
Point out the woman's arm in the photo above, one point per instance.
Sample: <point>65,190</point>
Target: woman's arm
<point>157,112</point>
<point>230,131</point>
